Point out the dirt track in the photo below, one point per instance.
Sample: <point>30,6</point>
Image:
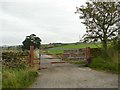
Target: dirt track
<point>71,76</point>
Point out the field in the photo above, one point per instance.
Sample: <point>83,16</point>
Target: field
<point>60,49</point>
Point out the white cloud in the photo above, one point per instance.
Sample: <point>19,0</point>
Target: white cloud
<point>51,20</point>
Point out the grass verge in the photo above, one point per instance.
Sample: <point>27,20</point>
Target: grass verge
<point>18,78</point>
<point>109,64</point>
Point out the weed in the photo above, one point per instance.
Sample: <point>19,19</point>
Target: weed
<point>18,78</point>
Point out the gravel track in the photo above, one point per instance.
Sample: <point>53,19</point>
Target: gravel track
<point>66,75</point>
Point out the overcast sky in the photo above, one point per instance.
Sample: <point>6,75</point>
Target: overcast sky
<point>51,20</point>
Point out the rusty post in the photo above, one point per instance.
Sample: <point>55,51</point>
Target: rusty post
<point>31,55</point>
<point>88,55</point>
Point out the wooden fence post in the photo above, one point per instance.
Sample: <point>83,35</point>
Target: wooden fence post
<point>88,55</point>
<point>31,55</point>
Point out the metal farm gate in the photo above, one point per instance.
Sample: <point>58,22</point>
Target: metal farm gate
<point>81,56</point>
<point>78,55</point>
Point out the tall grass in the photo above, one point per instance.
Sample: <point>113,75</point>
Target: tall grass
<point>18,78</point>
<point>109,63</point>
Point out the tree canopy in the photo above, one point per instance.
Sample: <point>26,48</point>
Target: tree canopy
<point>31,40</point>
<point>102,21</point>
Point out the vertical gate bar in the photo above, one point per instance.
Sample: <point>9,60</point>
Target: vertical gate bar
<point>31,55</point>
<point>88,55</point>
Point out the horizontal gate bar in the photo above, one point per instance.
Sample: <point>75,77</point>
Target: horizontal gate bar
<point>58,62</point>
<point>45,63</point>
<point>77,57</point>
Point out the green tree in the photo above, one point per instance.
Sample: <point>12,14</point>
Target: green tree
<point>102,21</point>
<point>31,40</point>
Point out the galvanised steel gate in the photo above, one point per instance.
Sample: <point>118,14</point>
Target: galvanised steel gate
<point>78,55</point>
